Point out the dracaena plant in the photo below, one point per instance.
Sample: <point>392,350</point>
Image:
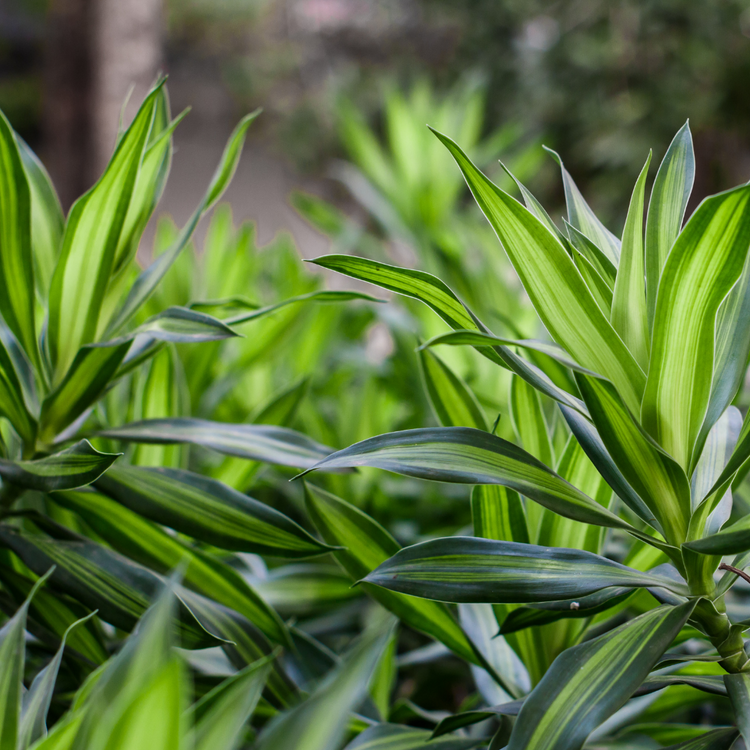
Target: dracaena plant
<point>80,324</point>
<point>650,344</point>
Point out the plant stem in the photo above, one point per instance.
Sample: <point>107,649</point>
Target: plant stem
<point>726,638</point>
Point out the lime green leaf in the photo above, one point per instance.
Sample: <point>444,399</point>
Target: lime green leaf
<point>600,290</point>
<point>276,445</point>
<point>588,683</point>
<point>79,465</point>
<point>469,569</point>
<point>498,513</point>
<point>598,260</point>
<point>363,545</point>
<point>453,402</point>
<point>439,298</point>
<point>87,379</point>
<point>220,715</point>
<point>16,260</point>
<point>208,510</point>
<point>92,233</point>
<point>47,220</point>
<point>399,737</point>
<point>738,687</point>
<point>149,279</point>
<point>557,290</point>
<point>657,479</point>
<point>629,316</point>
<point>583,218</point>
<point>12,657</point>
<point>704,264</point>
<point>666,208</point>
<point>133,536</point>
<point>463,455</point>
<point>36,701</point>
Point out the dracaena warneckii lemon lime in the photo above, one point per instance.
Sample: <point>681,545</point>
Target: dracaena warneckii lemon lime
<point>647,350</point>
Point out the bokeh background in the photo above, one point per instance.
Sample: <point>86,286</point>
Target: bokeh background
<point>601,81</point>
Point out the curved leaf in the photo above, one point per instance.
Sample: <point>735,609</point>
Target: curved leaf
<point>460,454</point>
<point>399,737</point>
<point>208,510</point>
<point>275,445</point>
<point>12,403</point>
<point>708,683</point>
<point>552,281</point>
<point>704,264</point>
<point>79,465</point>
<point>738,688</point>
<point>470,569</point>
<point>719,739</point>
<point>666,208</point>
<point>589,682</point>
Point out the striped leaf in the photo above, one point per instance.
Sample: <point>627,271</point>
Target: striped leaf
<point>707,683</point>
<point>319,723</point>
<point>704,264</point>
<point>47,220</point>
<point>85,382</point>
<point>657,479</point>
<point>37,700</point>
<point>467,718</point>
<point>16,259</point>
<point>666,208</point>
<point>629,317</point>
<point>600,290</point>
<point>79,465</point>
<point>463,455</point>
<point>583,218</point>
<point>399,737</point>
<point>469,569</point>
<point>99,579</point>
<point>453,402</point>
<point>589,682</point>
<point>738,687</point>
<point>598,260</point>
<point>729,541</point>
<point>13,657</point>
<point>89,247</point>
<point>363,545</point>
<point>13,405</point>
<point>557,291</point>
<point>149,279</point>
<point>219,717</point>
<point>498,513</point>
<point>129,534</point>
<point>719,739</point>
<point>208,510</point>
<point>439,298</point>
<point>275,445</point>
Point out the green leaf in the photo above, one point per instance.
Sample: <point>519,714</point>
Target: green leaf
<point>89,247</point>
<point>13,405</point>
<point>16,259</point>
<point>600,290</point>
<point>583,218</point>
<point>596,258</point>
<point>657,479</point>
<point>629,316</point>
<point>12,657</point>
<point>47,220</point>
<point>319,722</point>
<point>363,545</point>
<point>738,687</point>
<point>85,382</point>
<point>276,445</point>
<point>399,737</point>
<point>498,513</point>
<point>147,544</point>
<point>666,208</point>
<point>220,716</point>
<point>467,718</point>
<point>719,739</point>
<point>37,700</point>
<point>587,683</point>
<point>453,402</point>
<point>324,295</point>
<point>704,264</point>
<point>557,290</point>
<point>731,540</point>
<point>439,298</point>
<point>79,465</point>
<point>469,569</point>
<point>708,683</point>
<point>463,455</point>
<point>208,511</point>
<point>149,279</point>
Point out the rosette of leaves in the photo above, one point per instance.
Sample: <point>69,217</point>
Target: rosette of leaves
<point>648,347</point>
